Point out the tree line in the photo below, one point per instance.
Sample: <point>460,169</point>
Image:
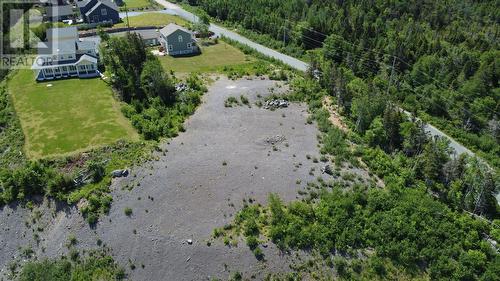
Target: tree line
<point>154,106</point>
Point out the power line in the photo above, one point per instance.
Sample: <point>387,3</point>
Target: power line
<point>373,68</point>
<point>442,85</point>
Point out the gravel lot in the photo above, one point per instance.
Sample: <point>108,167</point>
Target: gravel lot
<point>188,192</point>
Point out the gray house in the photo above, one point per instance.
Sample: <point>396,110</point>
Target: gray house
<point>177,40</point>
<point>98,11</point>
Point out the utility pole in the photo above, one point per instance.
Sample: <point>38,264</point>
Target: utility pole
<point>284,32</point>
<point>126,14</point>
<point>390,78</point>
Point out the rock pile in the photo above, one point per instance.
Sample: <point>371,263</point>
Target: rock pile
<point>278,103</point>
<point>181,87</point>
<point>275,139</point>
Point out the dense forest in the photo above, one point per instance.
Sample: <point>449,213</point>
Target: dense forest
<point>439,59</point>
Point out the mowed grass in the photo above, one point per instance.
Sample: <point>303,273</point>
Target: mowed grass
<point>133,4</point>
<point>212,59</point>
<point>152,19</point>
<point>70,116</point>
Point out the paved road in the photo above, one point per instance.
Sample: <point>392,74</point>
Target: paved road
<point>433,131</point>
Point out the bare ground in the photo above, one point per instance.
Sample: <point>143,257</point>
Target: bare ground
<point>187,193</point>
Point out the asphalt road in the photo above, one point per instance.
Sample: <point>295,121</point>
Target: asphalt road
<point>433,131</point>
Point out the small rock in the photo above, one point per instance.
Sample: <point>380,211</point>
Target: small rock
<point>119,173</point>
<point>327,170</point>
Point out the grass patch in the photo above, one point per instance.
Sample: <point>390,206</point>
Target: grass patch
<point>11,134</point>
<point>137,4</point>
<point>214,58</point>
<point>71,115</point>
<point>95,266</point>
<point>152,19</point>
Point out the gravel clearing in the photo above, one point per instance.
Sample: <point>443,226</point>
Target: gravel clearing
<point>226,155</point>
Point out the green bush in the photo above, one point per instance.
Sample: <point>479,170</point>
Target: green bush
<point>128,211</point>
<point>252,242</point>
<point>97,266</point>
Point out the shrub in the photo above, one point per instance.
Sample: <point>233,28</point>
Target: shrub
<point>252,242</point>
<point>258,253</point>
<point>128,211</point>
<point>72,240</point>
<point>244,100</point>
<point>96,171</point>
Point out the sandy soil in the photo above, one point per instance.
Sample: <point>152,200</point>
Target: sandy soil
<point>188,192</point>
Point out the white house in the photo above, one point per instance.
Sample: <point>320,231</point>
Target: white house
<point>64,55</point>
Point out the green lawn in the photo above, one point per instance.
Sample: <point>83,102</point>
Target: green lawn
<point>212,59</point>
<point>152,19</point>
<point>134,4</point>
<point>72,115</point>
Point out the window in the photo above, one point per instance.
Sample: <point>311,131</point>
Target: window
<point>170,47</point>
<point>64,69</point>
<point>189,45</point>
<point>180,38</point>
<point>104,12</point>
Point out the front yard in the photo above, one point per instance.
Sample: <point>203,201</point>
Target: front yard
<point>213,58</point>
<point>138,4</point>
<point>68,116</point>
<point>152,19</point>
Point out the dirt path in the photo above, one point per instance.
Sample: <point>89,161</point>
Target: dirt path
<point>334,116</point>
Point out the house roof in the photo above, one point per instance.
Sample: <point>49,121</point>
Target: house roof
<point>79,59</point>
<point>148,34</point>
<point>87,58</point>
<point>106,3</point>
<point>62,33</point>
<point>82,3</point>
<point>86,45</point>
<point>63,47</point>
<point>57,11</point>
<point>171,28</point>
